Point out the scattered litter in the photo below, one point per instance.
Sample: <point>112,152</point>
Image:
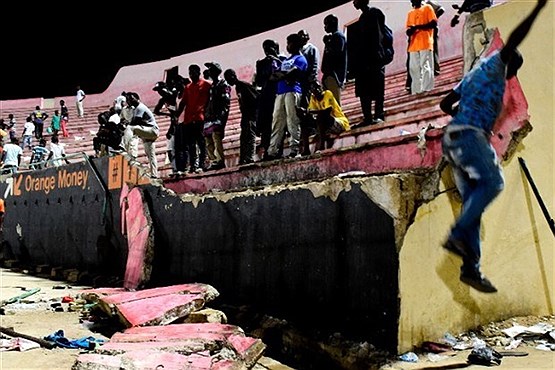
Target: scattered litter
<point>409,357</point>
<point>88,343</point>
<point>513,353</point>
<point>434,357</point>
<point>434,347</point>
<point>351,173</point>
<point>514,344</point>
<point>449,339</point>
<point>537,330</point>
<point>484,356</point>
<point>546,347</point>
<point>21,296</point>
<point>20,344</point>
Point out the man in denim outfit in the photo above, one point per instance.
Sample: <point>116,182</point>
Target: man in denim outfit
<point>475,104</point>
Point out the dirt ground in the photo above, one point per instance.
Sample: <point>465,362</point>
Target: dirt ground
<point>35,317</point>
<point>493,336</point>
<point>38,319</point>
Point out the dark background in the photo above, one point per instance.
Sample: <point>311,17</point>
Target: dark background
<point>50,48</point>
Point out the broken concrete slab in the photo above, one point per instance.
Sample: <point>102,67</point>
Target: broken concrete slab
<point>140,240</point>
<point>200,346</point>
<point>153,359</point>
<point>156,306</point>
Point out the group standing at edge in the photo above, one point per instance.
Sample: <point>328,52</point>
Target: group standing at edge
<point>290,102</point>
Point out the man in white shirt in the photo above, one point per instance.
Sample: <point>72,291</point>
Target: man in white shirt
<point>79,97</point>
<point>11,156</point>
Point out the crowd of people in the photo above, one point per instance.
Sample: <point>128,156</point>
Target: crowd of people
<point>293,96</point>
<point>32,138</point>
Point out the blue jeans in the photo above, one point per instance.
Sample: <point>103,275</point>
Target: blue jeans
<point>479,179</point>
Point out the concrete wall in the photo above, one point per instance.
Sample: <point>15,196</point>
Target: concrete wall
<point>62,216</point>
<point>321,255</point>
<point>518,245</point>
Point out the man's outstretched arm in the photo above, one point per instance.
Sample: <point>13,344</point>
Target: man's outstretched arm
<point>520,32</point>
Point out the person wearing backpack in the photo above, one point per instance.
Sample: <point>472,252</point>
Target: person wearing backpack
<point>421,22</point>
<point>366,60</point>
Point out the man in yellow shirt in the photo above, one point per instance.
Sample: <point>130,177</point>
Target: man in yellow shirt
<point>326,115</point>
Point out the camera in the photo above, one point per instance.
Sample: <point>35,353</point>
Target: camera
<point>165,91</point>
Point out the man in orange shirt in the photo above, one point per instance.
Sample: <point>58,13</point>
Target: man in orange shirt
<point>421,21</point>
<point>2,211</point>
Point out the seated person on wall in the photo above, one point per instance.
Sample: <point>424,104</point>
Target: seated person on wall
<point>144,127</point>
<point>109,133</point>
<point>324,114</point>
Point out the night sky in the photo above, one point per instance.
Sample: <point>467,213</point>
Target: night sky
<point>85,44</point>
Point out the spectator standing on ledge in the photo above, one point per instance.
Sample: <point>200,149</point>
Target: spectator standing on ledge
<point>438,10</point>
<point>267,86</point>
<point>421,22</point>
<point>79,97</point>
<point>475,104</point>
<point>247,95</point>
<point>289,94</point>
<point>217,112</point>
<point>167,106</point>
<point>189,132</point>
<point>334,58</point>
<point>367,70</point>
<point>312,55</point>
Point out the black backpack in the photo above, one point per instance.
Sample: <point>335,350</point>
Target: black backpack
<point>385,55</point>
